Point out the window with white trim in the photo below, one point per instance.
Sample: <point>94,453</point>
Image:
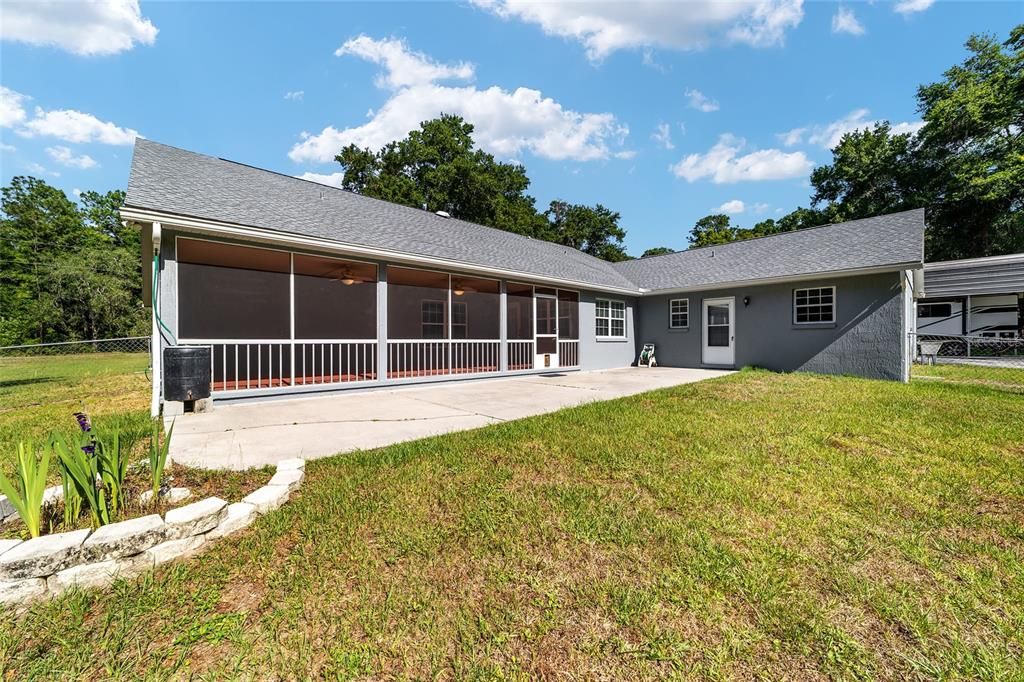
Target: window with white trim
<point>815,305</point>
<point>679,313</point>
<point>610,319</point>
<point>460,319</point>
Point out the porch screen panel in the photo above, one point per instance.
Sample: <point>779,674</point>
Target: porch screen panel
<point>417,304</point>
<point>335,299</point>
<point>519,304</point>
<point>476,310</point>
<point>232,292</point>
<point>568,315</point>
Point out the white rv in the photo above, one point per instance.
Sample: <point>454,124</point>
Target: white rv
<point>974,297</point>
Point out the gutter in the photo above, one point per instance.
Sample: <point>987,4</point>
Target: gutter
<point>263,235</point>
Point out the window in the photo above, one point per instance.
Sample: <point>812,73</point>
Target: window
<point>432,319</point>
<point>610,319</point>
<point>679,313</point>
<point>814,305</point>
<point>460,320</point>
<point>934,309</point>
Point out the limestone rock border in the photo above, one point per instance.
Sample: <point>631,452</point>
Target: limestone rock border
<point>50,564</point>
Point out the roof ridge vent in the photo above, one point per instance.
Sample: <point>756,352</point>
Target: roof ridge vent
<point>443,214</point>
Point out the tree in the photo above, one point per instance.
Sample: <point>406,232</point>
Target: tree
<point>965,166</point>
<point>873,171</point>
<point>66,272</point>
<point>591,230</point>
<point>438,168</point>
<point>712,229</point>
<point>971,150</point>
<point>657,251</point>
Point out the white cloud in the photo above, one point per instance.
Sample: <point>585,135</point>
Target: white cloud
<point>37,169</point>
<point>845,21</point>
<point>402,66</point>
<point>9,148</point>
<point>792,137</point>
<point>828,136</point>
<point>76,127</point>
<point>663,136</point>
<point>65,157</point>
<point>731,207</point>
<point>12,107</point>
<point>912,6</point>
<point>96,27</point>
<point>723,163</point>
<point>699,101</point>
<point>295,95</point>
<point>77,192</point>
<point>605,27</point>
<point>332,179</point>
<point>507,123</point>
<point>759,207</point>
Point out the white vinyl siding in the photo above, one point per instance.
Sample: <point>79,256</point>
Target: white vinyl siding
<point>814,306</point>
<point>679,313</point>
<point>610,319</point>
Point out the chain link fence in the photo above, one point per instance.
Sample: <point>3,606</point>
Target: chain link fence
<point>985,360</point>
<point>127,344</point>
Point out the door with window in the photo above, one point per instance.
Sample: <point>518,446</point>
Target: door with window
<point>719,332</point>
<point>546,318</point>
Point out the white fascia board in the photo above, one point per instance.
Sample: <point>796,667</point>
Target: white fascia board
<point>853,272</point>
<point>214,228</point>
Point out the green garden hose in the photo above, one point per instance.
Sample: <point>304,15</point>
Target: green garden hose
<point>156,286</point>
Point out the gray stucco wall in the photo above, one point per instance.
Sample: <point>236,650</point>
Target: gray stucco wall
<point>610,353</point>
<point>868,338</point>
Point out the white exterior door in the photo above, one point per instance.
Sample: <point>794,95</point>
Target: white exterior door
<point>719,331</point>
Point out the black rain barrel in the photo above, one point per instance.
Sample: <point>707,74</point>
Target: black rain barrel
<point>186,373</point>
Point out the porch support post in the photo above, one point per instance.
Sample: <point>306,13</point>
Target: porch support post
<point>382,321</point>
<point>503,327</point>
<point>155,346</point>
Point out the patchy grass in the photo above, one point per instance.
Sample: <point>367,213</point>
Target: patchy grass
<point>756,526</point>
<point>39,394</point>
<point>1005,378</point>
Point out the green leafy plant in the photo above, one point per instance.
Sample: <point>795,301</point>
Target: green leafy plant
<point>28,501</point>
<point>112,460</point>
<point>158,457</point>
<point>82,466</point>
<point>72,498</point>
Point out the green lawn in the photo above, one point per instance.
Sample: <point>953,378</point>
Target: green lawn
<point>38,396</point>
<point>759,525</point>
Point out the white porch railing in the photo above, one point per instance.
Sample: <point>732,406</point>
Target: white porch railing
<point>520,355</point>
<point>247,364</point>
<point>568,353</point>
<point>412,358</point>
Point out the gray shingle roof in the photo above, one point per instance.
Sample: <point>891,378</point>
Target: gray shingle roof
<point>878,242</point>
<point>173,180</point>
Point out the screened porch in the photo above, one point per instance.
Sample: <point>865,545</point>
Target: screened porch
<point>278,320</point>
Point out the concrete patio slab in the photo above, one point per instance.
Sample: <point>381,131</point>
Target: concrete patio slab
<point>243,435</point>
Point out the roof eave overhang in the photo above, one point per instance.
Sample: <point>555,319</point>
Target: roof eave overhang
<point>273,237</point>
<point>804,277</point>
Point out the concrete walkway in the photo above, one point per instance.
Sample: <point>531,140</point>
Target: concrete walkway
<point>238,436</point>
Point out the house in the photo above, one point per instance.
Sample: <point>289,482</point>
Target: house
<point>974,297</point>
<point>299,287</point>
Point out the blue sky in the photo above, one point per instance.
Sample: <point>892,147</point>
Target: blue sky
<point>661,111</point>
